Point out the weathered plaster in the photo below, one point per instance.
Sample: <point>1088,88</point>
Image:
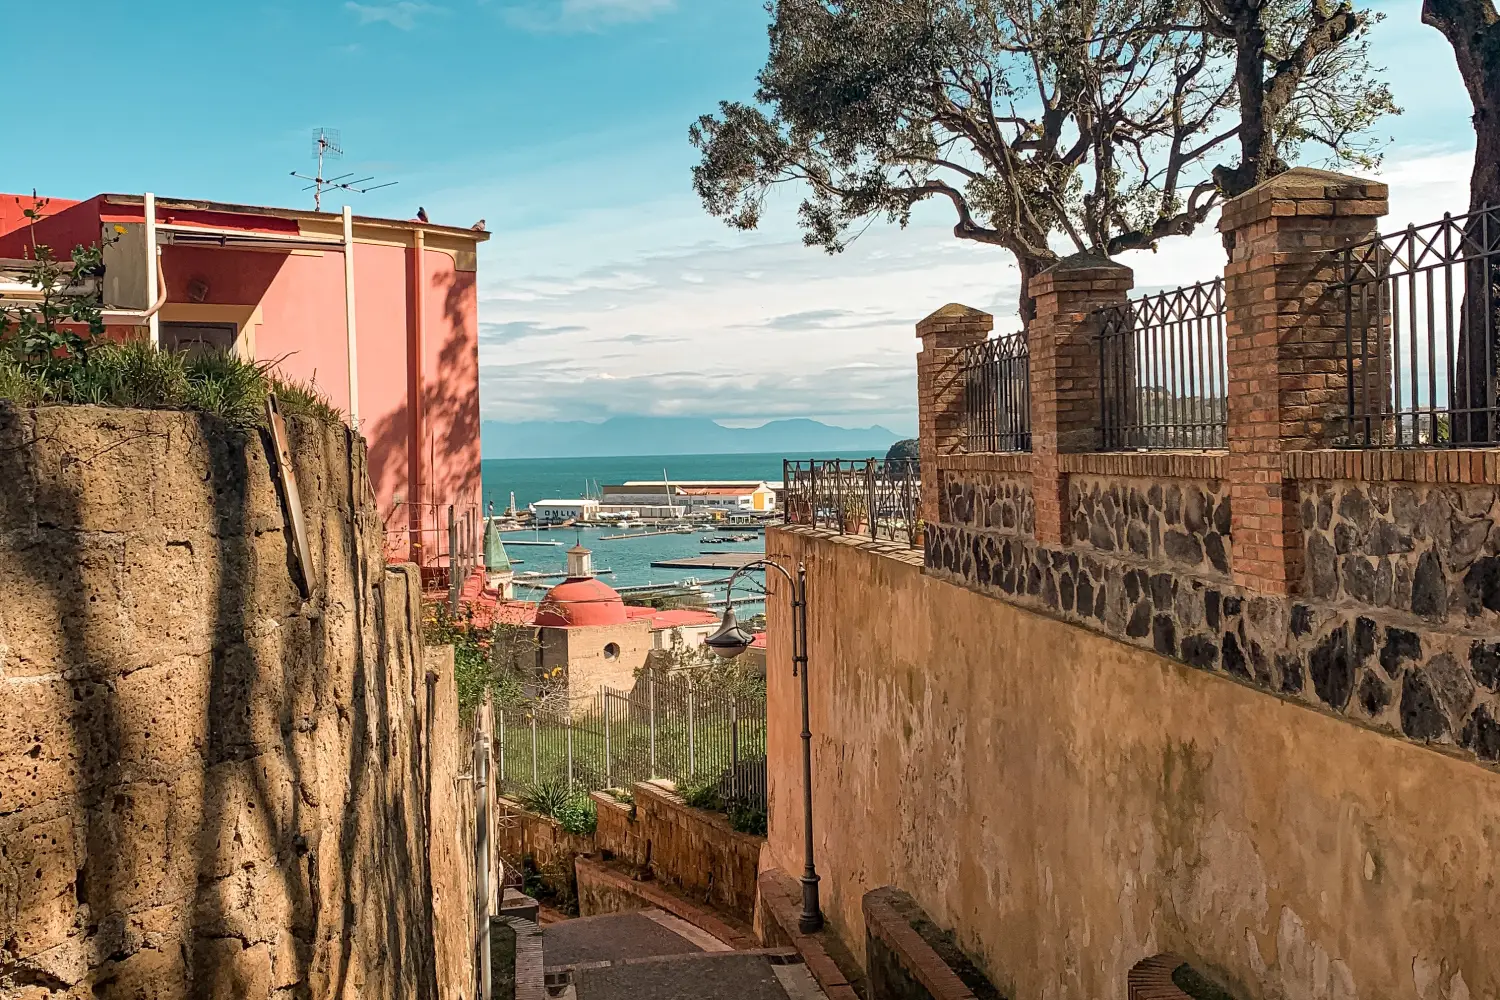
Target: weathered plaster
<point>1069,804</point>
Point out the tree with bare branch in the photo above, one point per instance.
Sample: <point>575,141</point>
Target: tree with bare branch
<point>1049,126</point>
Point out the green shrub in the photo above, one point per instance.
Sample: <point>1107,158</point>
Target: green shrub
<point>747,819</point>
<point>574,810</point>
<point>137,375</point>
<point>546,798</point>
<point>702,792</point>
<point>579,815</point>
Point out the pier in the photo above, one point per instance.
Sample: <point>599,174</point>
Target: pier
<point>712,560</point>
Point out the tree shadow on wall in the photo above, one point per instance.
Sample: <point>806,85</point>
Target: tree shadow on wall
<point>225,833</point>
<point>450,403</point>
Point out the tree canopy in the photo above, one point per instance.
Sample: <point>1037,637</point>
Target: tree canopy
<point>1050,126</point>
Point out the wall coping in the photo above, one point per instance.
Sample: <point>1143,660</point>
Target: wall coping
<point>658,791</point>
<point>1125,464</point>
<point>1477,466</point>
<point>1146,464</point>
<point>917,957</point>
<point>1007,461</point>
<point>891,550</point>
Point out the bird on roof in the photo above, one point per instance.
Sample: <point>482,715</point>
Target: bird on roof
<point>421,214</point>
<point>478,227</point>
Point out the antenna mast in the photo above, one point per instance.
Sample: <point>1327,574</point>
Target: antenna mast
<point>328,146</point>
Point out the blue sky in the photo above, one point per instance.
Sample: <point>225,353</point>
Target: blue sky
<point>563,124</point>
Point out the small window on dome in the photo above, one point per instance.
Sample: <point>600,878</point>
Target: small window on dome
<point>612,651</point>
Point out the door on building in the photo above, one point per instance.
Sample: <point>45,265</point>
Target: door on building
<point>198,338</point>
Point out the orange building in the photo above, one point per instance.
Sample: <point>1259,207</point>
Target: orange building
<point>380,315</point>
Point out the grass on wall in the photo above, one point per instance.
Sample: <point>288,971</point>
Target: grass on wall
<point>140,376</point>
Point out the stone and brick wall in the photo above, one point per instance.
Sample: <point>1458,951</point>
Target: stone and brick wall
<point>1277,563</point>
<point>209,786</point>
<point>1068,804</point>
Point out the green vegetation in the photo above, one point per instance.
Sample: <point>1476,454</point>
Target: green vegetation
<point>138,375</point>
<point>573,809</point>
<point>483,658</point>
<point>702,792</point>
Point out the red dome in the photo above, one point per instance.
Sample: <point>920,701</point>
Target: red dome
<point>587,601</point>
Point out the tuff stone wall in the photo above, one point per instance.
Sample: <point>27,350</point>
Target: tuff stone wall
<point>1181,524</point>
<point>209,786</point>
<point>1069,804</point>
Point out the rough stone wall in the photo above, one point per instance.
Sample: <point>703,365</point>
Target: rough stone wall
<point>1398,625</point>
<point>1181,524</point>
<point>993,501</point>
<point>698,851</point>
<point>210,787</point>
<point>1068,804</point>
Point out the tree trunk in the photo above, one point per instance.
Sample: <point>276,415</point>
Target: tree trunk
<point>1471,29</point>
<point>1029,267</point>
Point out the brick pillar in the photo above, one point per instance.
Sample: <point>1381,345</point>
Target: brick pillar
<point>1065,377</point>
<point>1285,331</point>
<point>940,390</point>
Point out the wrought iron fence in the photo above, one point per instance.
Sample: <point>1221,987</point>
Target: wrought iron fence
<point>664,727</point>
<point>871,496</point>
<point>1162,368</point>
<point>1421,338</point>
<point>997,394</point>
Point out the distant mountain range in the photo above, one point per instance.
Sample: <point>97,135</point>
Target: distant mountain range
<point>621,436</point>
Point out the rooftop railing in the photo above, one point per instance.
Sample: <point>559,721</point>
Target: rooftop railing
<point>874,497</point>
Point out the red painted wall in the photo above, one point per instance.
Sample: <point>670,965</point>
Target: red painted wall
<point>451,370</point>
<point>66,224</point>
<point>303,328</point>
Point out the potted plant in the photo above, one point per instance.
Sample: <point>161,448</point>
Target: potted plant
<point>853,516</point>
<point>919,537</point>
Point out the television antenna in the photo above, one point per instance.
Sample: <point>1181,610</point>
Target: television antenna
<point>327,145</point>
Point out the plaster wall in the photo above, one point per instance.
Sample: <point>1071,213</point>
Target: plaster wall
<point>581,652</point>
<point>209,785</point>
<point>1069,805</point>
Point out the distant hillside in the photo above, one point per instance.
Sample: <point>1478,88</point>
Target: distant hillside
<point>675,436</point>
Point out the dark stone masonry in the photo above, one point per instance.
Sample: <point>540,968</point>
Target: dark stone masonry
<point>1182,524</point>
<point>988,500</point>
<point>1425,665</point>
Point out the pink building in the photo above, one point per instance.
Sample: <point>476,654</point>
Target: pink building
<point>380,315</point>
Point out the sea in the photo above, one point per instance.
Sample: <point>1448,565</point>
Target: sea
<point>622,562</point>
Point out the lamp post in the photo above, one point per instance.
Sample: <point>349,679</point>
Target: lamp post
<point>730,641</point>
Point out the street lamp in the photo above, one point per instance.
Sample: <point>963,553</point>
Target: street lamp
<point>730,641</point>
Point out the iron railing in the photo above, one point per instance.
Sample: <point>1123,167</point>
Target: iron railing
<point>1421,340</point>
<point>871,496</point>
<point>664,727</point>
<point>1162,370</point>
<point>997,395</point>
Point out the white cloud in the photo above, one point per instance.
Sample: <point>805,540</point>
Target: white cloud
<point>582,15</point>
<point>692,319</point>
<point>402,14</point>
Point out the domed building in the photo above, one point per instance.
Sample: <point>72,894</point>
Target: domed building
<point>586,629</point>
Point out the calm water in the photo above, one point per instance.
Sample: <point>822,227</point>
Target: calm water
<point>535,479</point>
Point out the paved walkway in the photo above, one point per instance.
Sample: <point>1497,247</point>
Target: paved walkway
<point>651,954</point>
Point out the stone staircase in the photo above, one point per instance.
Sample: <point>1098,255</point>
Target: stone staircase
<point>651,954</point>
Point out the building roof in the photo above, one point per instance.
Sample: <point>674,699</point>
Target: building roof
<point>718,483</point>
<point>199,205</point>
<point>712,491</point>
<point>678,619</point>
<point>759,642</point>
<point>581,602</point>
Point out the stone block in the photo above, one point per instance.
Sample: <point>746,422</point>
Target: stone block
<point>18,499</point>
<point>224,967</point>
<point>37,872</point>
<point>64,607</point>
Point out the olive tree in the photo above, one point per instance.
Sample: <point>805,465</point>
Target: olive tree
<point>1048,126</point>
